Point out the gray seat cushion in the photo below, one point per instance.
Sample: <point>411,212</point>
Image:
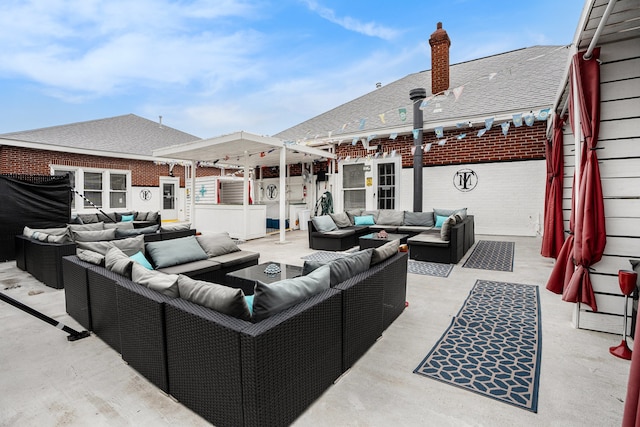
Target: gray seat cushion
<point>200,266</point>
<point>413,229</point>
<point>235,258</point>
<point>427,239</point>
<point>336,234</point>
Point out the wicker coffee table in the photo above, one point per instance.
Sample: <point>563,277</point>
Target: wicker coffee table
<point>373,241</point>
<point>246,278</point>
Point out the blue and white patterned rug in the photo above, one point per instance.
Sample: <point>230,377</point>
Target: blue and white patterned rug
<point>493,345</point>
<point>491,255</point>
<point>414,267</point>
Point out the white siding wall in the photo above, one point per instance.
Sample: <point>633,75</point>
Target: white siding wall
<point>508,199</point>
<point>620,172</point>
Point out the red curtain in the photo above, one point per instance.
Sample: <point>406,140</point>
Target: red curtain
<point>553,237</point>
<point>589,234</point>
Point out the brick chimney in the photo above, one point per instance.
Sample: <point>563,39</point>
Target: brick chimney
<point>440,43</point>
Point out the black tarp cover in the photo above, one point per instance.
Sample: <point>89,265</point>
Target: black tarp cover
<point>36,201</point>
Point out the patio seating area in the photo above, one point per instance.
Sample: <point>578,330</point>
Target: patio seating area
<point>56,382</point>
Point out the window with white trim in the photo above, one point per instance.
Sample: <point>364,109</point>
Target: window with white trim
<point>104,188</point>
<point>353,186</point>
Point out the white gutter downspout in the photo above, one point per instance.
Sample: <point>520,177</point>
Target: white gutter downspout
<point>601,25</point>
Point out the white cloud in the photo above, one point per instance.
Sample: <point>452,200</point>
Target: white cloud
<point>367,28</point>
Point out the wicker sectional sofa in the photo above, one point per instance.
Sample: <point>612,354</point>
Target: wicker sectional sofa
<point>237,372</point>
<point>426,242</point>
<point>43,258</point>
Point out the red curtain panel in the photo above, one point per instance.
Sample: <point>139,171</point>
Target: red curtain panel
<point>553,235</point>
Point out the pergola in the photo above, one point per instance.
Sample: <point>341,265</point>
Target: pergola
<point>245,150</point>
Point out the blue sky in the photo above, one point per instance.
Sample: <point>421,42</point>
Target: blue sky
<point>212,67</point>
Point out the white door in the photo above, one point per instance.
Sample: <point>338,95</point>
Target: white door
<point>169,201</point>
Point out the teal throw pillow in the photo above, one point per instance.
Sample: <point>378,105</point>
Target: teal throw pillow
<point>167,253</point>
<point>140,259</point>
<point>440,220</point>
<point>127,218</point>
<point>249,300</point>
<point>363,220</point>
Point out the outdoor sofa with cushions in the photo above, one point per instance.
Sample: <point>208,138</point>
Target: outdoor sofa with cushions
<point>138,219</point>
<point>40,251</point>
<point>257,372</point>
<point>208,257</point>
<point>341,231</point>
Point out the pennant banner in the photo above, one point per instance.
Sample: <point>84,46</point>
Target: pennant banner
<point>529,119</point>
<point>442,142</point>
<point>416,133</point>
<point>517,120</point>
<point>427,148</point>
<point>481,132</point>
<point>462,135</point>
<point>403,114</point>
<point>382,118</point>
<point>393,135</point>
<point>505,128</point>
<point>488,123</point>
<point>543,114</point>
<point>439,131</point>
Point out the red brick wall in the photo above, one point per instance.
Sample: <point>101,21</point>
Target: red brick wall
<point>520,143</point>
<point>144,173</point>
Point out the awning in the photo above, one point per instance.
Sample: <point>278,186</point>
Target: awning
<point>245,150</point>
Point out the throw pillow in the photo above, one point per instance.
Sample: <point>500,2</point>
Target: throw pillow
<point>220,298</point>
<point>119,225</point>
<point>117,261</point>
<point>152,216</point>
<point>125,216</point>
<point>419,219</point>
<point>449,212</point>
<point>93,226</point>
<point>324,223</point>
<point>88,218</point>
<point>390,217</point>
<point>166,284</point>
<point>120,233</point>
<point>445,231</point>
<point>272,298</point>
<point>178,226</point>
<point>141,216</point>
<point>142,260</point>
<point>342,268</point>
<point>363,220</point>
<point>440,220</point>
<point>129,245</point>
<point>215,244</point>
<point>341,219</point>
<point>374,214</point>
<point>385,251</point>
<point>94,236</point>
<point>167,253</point>
<point>352,213</point>
<point>90,256</point>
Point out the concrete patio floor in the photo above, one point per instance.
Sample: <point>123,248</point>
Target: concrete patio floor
<point>48,381</point>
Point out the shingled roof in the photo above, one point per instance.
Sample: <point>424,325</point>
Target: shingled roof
<point>127,134</point>
<point>519,81</point>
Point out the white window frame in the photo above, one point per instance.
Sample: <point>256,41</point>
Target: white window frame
<point>106,186</point>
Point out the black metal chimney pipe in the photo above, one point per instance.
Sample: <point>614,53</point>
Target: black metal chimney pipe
<point>417,95</point>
